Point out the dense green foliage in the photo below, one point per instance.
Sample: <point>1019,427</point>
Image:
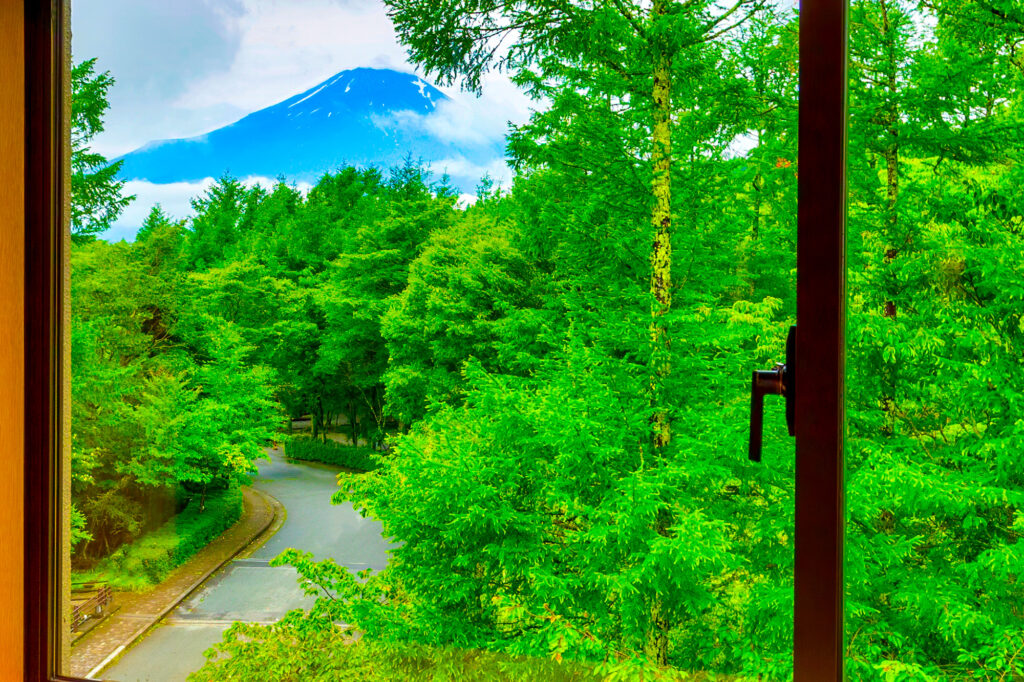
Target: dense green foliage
<point>167,402</point>
<point>568,487</point>
<point>936,477</point>
<point>329,452</point>
<point>96,193</point>
<point>149,560</point>
<point>271,651</point>
<point>534,515</point>
<point>190,345</point>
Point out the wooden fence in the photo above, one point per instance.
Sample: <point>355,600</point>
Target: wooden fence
<point>93,606</point>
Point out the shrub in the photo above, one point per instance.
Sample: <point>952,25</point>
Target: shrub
<point>146,562</point>
<point>360,458</point>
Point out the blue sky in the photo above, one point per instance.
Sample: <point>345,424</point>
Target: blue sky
<point>185,67</point>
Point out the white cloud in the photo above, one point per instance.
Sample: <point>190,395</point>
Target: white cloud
<point>189,67</point>
<point>460,167</point>
<point>468,119</point>
<point>175,198</point>
<point>287,47</point>
<point>154,49</point>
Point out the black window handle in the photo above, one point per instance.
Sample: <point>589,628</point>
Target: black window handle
<point>780,380</point>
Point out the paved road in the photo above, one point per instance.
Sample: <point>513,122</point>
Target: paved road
<point>249,589</point>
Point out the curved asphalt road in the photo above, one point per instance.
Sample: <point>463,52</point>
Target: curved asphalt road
<point>249,589</point>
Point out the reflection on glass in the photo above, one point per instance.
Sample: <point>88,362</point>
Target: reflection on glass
<point>935,473</point>
<point>468,385</point>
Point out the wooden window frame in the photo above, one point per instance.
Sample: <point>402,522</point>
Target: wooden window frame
<point>821,300</point>
<point>47,152</point>
<point>819,631</point>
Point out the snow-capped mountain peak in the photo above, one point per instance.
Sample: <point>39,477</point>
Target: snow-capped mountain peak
<point>359,117</point>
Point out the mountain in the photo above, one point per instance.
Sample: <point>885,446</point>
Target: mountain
<point>357,117</point>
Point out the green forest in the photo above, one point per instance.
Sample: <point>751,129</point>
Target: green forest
<point>554,380</point>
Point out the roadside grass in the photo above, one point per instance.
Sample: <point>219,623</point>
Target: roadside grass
<point>147,561</point>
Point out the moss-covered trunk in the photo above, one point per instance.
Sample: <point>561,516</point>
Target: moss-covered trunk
<point>661,221</point>
<point>656,644</point>
<point>896,243</point>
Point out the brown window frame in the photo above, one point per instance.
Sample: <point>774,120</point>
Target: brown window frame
<point>47,147</point>
<point>819,629</point>
<point>821,300</point>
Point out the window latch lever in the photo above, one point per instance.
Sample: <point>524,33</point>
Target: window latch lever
<point>780,380</point>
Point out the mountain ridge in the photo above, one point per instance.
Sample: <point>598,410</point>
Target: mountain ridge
<point>362,116</point>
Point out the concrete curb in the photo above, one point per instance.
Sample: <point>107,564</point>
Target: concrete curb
<point>269,530</point>
<point>253,543</point>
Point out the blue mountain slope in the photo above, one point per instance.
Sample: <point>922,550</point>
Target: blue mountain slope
<point>360,117</point>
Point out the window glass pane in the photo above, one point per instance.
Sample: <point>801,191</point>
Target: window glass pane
<point>416,338</point>
<point>935,343</point>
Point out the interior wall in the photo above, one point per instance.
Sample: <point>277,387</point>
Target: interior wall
<point>12,326</point>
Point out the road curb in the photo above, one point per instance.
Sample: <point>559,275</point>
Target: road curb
<point>254,542</point>
<point>269,530</point>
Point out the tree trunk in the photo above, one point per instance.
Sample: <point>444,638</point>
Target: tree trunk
<point>661,221</point>
<point>317,420</point>
<point>656,646</point>
<point>377,413</point>
<point>352,422</point>
<point>756,185</point>
<point>891,153</point>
